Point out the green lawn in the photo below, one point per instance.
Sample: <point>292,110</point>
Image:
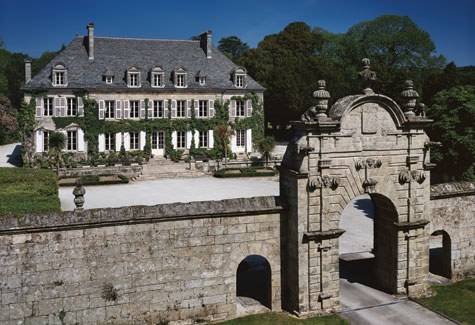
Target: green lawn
<point>456,300</point>
<point>284,319</point>
<point>27,190</point>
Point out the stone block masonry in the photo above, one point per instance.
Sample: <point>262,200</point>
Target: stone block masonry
<point>141,264</point>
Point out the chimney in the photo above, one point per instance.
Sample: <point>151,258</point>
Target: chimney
<point>27,70</point>
<point>90,36</point>
<point>205,43</point>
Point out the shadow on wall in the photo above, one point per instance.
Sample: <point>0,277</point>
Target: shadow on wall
<point>254,280</point>
<point>365,205</point>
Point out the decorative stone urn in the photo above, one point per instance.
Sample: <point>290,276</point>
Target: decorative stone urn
<point>78,193</point>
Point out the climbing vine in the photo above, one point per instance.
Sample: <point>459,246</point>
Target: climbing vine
<point>93,126</point>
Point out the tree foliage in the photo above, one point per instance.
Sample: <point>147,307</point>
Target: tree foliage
<point>265,147</point>
<point>453,113</point>
<point>233,47</point>
<point>8,121</point>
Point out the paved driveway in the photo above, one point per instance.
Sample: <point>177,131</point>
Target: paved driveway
<point>10,155</point>
<point>169,191</point>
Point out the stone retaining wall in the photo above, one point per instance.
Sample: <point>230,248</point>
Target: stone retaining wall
<point>140,264</point>
<point>453,211</point>
<point>128,171</point>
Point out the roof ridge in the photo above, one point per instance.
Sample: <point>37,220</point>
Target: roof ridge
<point>146,39</point>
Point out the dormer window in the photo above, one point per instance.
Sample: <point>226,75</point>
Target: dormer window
<point>180,78</point>
<point>201,78</point>
<point>109,80</point>
<point>108,76</point>
<point>202,81</point>
<point>240,77</point>
<point>59,75</point>
<point>157,77</point>
<point>133,77</point>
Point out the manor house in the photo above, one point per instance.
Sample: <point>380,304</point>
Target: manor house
<point>135,79</point>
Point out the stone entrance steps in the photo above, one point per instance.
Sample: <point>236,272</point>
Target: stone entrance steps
<point>159,168</point>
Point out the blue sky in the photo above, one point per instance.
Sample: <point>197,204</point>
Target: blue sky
<point>33,27</point>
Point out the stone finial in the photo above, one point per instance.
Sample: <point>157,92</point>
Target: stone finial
<point>409,97</point>
<point>366,77</point>
<point>420,110</point>
<point>321,96</point>
<point>78,193</point>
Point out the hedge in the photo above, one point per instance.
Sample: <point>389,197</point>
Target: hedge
<point>26,190</point>
<point>245,172</point>
<point>95,180</point>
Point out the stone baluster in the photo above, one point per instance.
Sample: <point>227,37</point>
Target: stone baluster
<point>321,96</point>
<point>409,96</point>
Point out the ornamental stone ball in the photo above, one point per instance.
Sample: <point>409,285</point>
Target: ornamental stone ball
<point>78,193</point>
<point>321,96</point>
<point>366,77</point>
<point>409,97</point>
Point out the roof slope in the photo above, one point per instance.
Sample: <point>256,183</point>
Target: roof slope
<point>119,54</point>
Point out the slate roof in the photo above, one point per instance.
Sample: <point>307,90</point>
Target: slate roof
<point>119,54</point>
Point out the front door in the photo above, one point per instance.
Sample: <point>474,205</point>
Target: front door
<point>158,143</point>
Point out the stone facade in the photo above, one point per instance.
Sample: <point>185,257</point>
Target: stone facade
<point>136,265</point>
<point>132,171</point>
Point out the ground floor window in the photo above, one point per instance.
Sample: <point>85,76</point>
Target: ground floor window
<point>240,138</point>
<point>180,139</point>
<point>203,139</point>
<point>72,140</point>
<point>110,141</point>
<point>134,141</point>
<point>46,140</point>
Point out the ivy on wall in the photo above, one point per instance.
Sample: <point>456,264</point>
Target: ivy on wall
<point>93,126</point>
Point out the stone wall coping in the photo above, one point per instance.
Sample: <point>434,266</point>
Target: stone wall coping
<point>69,220</point>
<point>446,190</point>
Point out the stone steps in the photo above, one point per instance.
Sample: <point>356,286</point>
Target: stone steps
<point>162,168</point>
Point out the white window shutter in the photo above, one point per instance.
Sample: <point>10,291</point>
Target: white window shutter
<point>249,140</point>
<point>173,108</point>
<point>126,108</point>
<point>232,109</point>
<point>165,108</point>
<point>142,109</point>
<point>80,140</point>
<point>197,107</point>
<point>188,108</point>
<point>39,106</point>
<point>174,139</point>
<point>102,142</point>
<point>39,141</point>
<point>150,109</point>
<point>118,141</point>
<point>196,136</point>
<point>142,140</point>
<point>101,109</point>
<point>63,106</point>
<point>233,142</point>
<point>249,107</point>
<point>211,139</point>
<point>118,109</point>
<point>189,135</point>
<point>56,107</point>
<point>127,141</point>
<point>211,108</point>
<point>80,107</point>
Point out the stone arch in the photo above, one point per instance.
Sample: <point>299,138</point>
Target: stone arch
<point>254,279</point>
<point>440,254</point>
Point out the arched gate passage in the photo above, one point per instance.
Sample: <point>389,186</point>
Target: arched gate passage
<point>363,144</point>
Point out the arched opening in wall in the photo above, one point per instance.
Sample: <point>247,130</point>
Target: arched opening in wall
<point>368,248</point>
<point>253,284</point>
<point>440,258</point>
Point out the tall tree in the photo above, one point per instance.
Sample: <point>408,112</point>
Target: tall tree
<point>57,143</point>
<point>233,47</point>
<point>453,113</point>
<point>224,132</point>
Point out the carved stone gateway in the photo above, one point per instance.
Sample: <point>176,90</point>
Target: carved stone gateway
<point>363,144</point>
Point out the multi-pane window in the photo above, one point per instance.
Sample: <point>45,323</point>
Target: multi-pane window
<point>72,140</point>
<point>157,80</point>
<point>180,139</point>
<point>181,108</point>
<point>158,108</point>
<point>240,138</point>
<point>72,107</point>
<point>240,108</point>
<point>203,108</point>
<point>203,139</point>
<point>180,80</point>
<point>110,109</point>
<point>134,79</point>
<point>110,141</point>
<point>46,140</point>
<point>239,81</point>
<point>48,106</point>
<point>134,109</point>
<point>59,78</point>
<point>134,141</point>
